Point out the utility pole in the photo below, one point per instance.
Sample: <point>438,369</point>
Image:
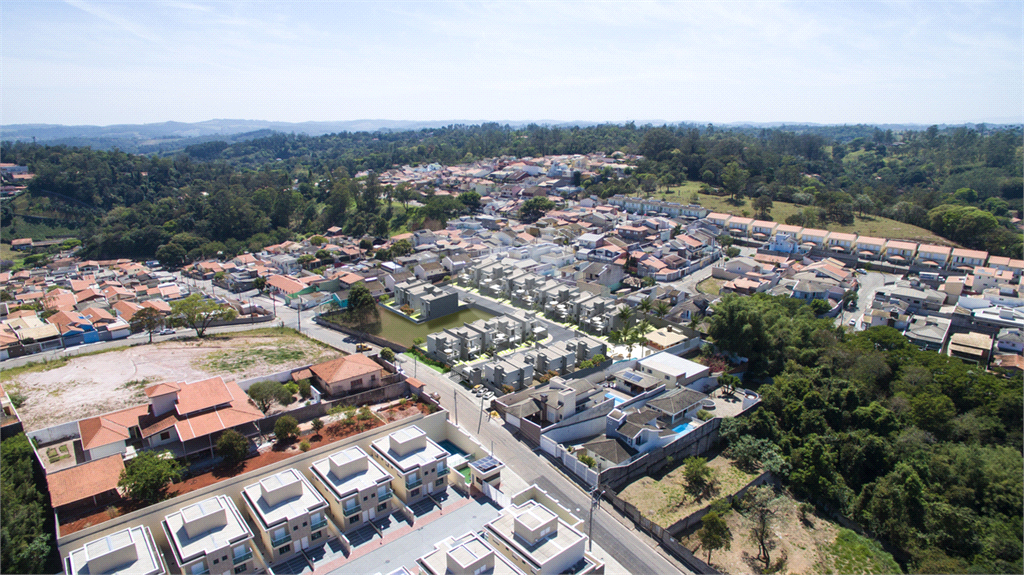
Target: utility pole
<point>595,500</point>
<point>455,403</point>
<point>480,422</point>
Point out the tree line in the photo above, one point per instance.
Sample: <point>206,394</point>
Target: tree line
<point>922,449</point>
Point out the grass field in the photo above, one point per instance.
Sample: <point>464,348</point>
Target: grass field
<point>669,499</point>
<point>876,226</point>
<point>710,286</point>
<point>6,253</point>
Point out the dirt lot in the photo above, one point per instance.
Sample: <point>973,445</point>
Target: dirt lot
<point>91,385</point>
<point>668,499</point>
<point>813,546</point>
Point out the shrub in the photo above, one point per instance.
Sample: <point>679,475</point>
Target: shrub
<point>364,414</point>
<point>317,424</point>
<point>387,354</point>
<point>587,460</point>
<point>17,399</point>
<point>304,389</point>
<point>418,341</point>
<point>147,476</point>
<point>286,428</point>
<point>292,388</point>
<point>406,309</point>
<point>704,415</point>
<point>304,446</point>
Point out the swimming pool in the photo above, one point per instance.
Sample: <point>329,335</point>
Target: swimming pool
<point>685,428</point>
<point>618,400</point>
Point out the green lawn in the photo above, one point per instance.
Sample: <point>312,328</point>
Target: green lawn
<point>852,553</point>
<point>876,226</point>
<point>710,286</point>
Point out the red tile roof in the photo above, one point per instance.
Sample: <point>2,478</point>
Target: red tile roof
<point>202,395</point>
<point>111,427</point>
<point>345,368</point>
<point>84,481</point>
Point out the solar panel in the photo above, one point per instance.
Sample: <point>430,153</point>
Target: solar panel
<point>486,464</point>
<point>632,377</point>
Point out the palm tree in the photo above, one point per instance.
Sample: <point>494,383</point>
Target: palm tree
<point>645,306</point>
<point>615,337</point>
<point>625,314</point>
<point>661,310</point>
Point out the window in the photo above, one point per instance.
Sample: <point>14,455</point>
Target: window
<point>216,561</point>
<point>316,536</point>
<point>439,482</point>
<point>198,568</point>
<point>283,550</point>
<point>241,568</point>
<point>165,436</point>
<point>382,507</point>
<point>295,527</point>
<point>414,492</point>
<point>352,520</point>
<point>356,382</point>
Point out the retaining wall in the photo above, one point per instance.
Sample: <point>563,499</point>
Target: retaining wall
<point>361,334</point>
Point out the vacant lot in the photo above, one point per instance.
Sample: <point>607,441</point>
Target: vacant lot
<point>669,499</point>
<point>86,386</point>
<point>813,546</point>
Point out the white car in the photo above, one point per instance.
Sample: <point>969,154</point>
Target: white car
<point>852,322</point>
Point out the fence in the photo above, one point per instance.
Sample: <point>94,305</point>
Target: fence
<point>670,544</point>
<point>496,495</point>
<point>56,433</point>
<point>280,377</point>
<point>578,468</point>
<point>530,430</point>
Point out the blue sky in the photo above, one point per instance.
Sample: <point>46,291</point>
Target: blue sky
<point>84,62</point>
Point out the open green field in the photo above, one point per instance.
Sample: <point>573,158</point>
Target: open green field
<point>876,226</point>
<point>6,253</point>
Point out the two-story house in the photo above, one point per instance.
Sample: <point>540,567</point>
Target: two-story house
<point>289,513</point>
<point>419,464</point>
<point>210,537</point>
<point>357,487</point>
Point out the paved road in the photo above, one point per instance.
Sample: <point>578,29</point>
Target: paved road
<point>631,549</point>
<point>869,284</point>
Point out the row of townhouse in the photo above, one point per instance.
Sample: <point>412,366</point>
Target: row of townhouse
<point>516,371</point>
<point>798,240</point>
<point>454,345</point>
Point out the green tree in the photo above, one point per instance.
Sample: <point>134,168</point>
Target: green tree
<point>317,425</point>
<point>171,255</point>
<point>734,179</point>
<point>199,313</point>
<point>662,309</point>
<point>147,319</point>
<point>25,528</point>
<point>646,306</point>
<point>232,446</point>
<point>535,208</point>
<point>698,474</point>
<point>286,428</point>
<point>763,205</point>
<point>260,283</point>
<point>147,476</point>
<point>387,354</point>
<point>714,534</point>
<point>265,393</point>
<point>471,200</point>
<point>360,302</point>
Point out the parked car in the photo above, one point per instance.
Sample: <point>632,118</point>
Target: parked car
<point>166,331</point>
<point>362,347</point>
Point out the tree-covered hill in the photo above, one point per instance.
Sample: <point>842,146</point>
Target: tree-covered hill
<point>961,183</point>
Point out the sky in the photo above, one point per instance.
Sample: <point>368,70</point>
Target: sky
<point>101,63</point>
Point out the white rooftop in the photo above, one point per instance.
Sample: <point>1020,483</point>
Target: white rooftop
<point>672,365</point>
<point>283,496</point>
<point>131,552</point>
<point>350,471</point>
<point>409,448</point>
<point>205,527</point>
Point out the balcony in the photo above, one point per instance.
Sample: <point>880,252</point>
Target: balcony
<point>275,542</point>
<point>318,524</point>
<point>205,571</point>
<point>243,557</point>
<point>443,471</point>
<point>352,509</point>
<point>413,483</point>
<point>384,497</point>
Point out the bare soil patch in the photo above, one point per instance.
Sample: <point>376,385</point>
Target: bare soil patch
<point>91,385</point>
<point>669,499</point>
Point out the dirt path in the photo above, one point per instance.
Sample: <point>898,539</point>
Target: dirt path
<point>91,385</point>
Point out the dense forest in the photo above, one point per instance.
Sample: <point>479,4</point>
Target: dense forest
<point>962,183</point>
<point>26,519</point>
<point>922,449</point>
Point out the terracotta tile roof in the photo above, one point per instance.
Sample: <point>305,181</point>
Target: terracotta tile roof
<point>286,284</point>
<point>111,427</point>
<point>84,481</point>
<point>87,294</point>
<point>344,368</point>
<point>95,314</point>
<point>157,304</point>
<point>126,309</point>
<point>302,374</point>
<point>202,395</point>
<point>163,388</point>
